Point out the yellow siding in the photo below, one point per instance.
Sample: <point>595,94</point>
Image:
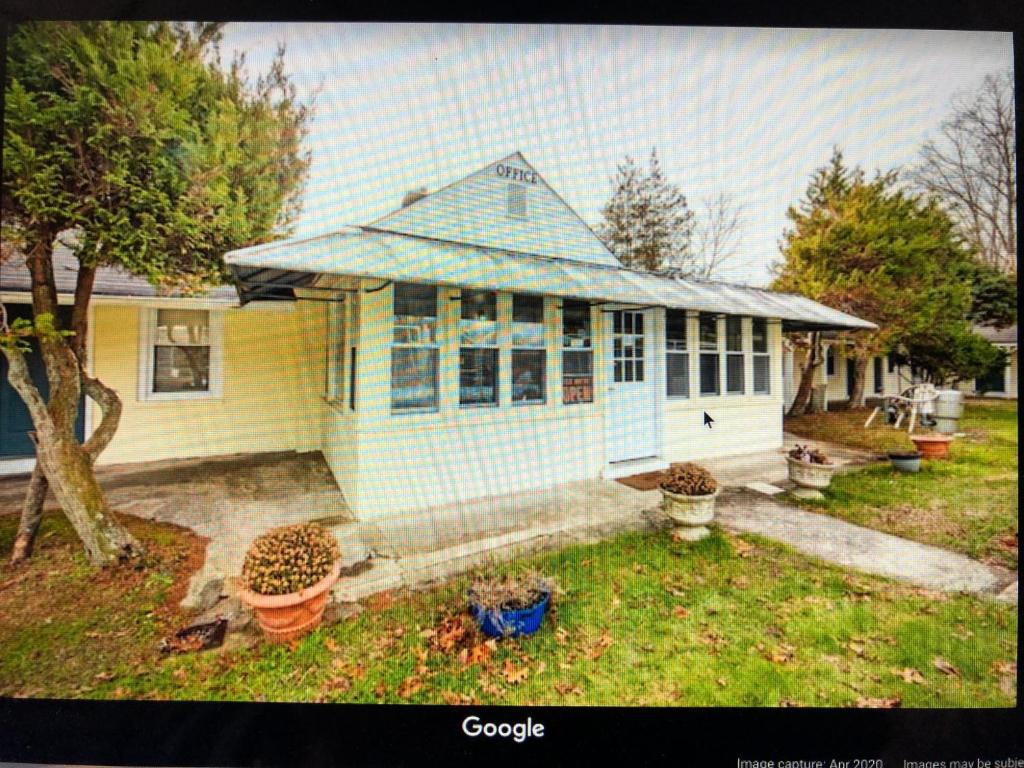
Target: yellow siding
<point>273,381</point>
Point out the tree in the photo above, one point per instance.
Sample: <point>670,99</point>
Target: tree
<point>993,297</point>
<point>879,252</point>
<point>972,168</point>
<point>136,146</point>
<point>717,235</point>
<point>647,222</point>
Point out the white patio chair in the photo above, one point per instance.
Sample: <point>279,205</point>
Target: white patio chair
<point>918,399</point>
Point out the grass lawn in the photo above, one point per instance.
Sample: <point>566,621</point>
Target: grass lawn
<point>643,620</point>
<point>967,503</point>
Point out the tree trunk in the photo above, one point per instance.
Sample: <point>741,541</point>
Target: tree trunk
<point>31,515</point>
<point>802,401</point>
<point>860,371</point>
<point>67,465</point>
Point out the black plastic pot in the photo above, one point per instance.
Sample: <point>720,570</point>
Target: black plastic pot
<point>905,461</point>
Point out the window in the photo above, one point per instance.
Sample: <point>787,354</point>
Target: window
<point>830,361</point>
<point>890,362</point>
<point>628,346</point>
<point>879,381</point>
<point>708,325</point>
<point>183,355</point>
<point>677,356</point>
<point>414,350</point>
<point>516,201</point>
<point>762,359</point>
<point>478,348</point>
<point>577,353</point>
<point>529,357</point>
<point>335,379</point>
<point>734,355</point>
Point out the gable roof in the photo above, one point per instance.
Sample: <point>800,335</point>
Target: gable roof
<point>110,281</point>
<point>475,210</point>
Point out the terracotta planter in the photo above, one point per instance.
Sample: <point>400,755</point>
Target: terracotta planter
<point>287,617</point>
<point>932,446</point>
<point>691,514</point>
<point>808,475</point>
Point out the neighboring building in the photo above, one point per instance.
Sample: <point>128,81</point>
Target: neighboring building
<point>480,340</point>
<point>883,376</point>
<point>1002,380</point>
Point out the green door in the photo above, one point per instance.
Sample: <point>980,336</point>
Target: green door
<point>15,422</point>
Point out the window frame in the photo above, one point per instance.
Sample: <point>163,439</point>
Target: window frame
<point>542,348</point>
<point>683,353</point>
<point>495,348</point>
<point>740,353</point>
<point>755,355</point>
<point>703,351</point>
<point>434,345</point>
<point>147,356</point>
<point>587,348</point>
<point>337,326</point>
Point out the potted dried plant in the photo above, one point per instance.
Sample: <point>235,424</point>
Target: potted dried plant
<point>688,494</point>
<point>811,470</point>
<point>287,577</point>
<point>510,606</point>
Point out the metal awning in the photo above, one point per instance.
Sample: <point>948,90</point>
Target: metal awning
<point>272,272</point>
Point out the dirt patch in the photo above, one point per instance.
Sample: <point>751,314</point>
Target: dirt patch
<point>907,518</point>
<point>645,481</point>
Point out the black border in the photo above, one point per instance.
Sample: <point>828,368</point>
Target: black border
<point>215,733</point>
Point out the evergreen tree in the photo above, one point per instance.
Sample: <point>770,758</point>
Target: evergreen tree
<point>891,257</point>
<point>647,222</point>
<point>133,137</point>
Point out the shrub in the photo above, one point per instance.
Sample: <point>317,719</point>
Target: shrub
<point>289,559</point>
<point>510,593</point>
<point>808,455</point>
<point>689,480</point>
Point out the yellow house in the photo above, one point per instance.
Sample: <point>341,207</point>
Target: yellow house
<point>479,340</point>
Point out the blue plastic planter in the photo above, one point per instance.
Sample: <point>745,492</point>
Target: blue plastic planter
<point>511,623</point>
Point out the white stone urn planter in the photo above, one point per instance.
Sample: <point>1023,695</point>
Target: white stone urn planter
<point>810,478</point>
<point>691,514</point>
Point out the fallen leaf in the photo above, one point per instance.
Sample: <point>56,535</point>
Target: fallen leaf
<point>867,702</point>
<point>565,689</point>
<point>722,682</point>
<point>409,686</point>
<point>514,675</point>
<point>945,667</point>
<point>179,674</point>
<point>337,683</point>
<point>457,699</point>
<point>561,636</point>
<point>541,667</point>
<point>489,687</point>
<point>790,703</point>
<point>857,648</point>
<point>639,568</point>
<point>380,601</point>
<point>742,548</point>
<point>680,612</point>
<point>330,644</point>
<point>910,675</point>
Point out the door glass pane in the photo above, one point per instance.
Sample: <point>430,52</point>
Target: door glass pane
<point>708,332</point>
<point>709,374</point>
<point>639,370</point>
<point>734,373</point>
<point>678,375</point>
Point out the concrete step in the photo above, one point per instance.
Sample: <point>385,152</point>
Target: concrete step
<point>383,574</point>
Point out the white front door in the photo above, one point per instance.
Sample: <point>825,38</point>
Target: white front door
<point>632,412</point>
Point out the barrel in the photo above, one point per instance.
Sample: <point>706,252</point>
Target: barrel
<point>949,404</point>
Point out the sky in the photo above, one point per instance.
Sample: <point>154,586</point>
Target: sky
<point>750,112</point>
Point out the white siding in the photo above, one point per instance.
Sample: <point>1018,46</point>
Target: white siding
<point>474,210</point>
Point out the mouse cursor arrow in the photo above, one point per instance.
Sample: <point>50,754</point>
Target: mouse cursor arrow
<point>707,420</point>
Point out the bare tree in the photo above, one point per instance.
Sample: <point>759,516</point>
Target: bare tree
<point>972,168</point>
<point>717,235</point>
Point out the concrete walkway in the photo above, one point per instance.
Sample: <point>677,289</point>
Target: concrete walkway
<point>863,549</point>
